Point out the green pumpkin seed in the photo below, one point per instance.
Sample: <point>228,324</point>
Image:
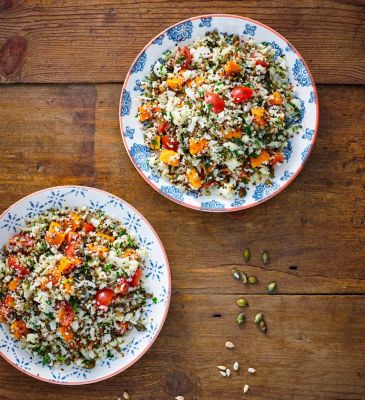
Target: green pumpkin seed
<point>258,318</point>
<point>271,287</point>
<point>236,274</point>
<point>263,326</point>
<point>240,319</point>
<point>244,278</point>
<point>252,280</point>
<point>265,257</point>
<point>247,254</point>
<point>242,302</point>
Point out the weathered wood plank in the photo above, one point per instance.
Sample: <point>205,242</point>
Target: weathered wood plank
<point>314,230</point>
<point>96,41</point>
<point>313,350</point>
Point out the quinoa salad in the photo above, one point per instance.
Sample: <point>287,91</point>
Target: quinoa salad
<point>218,114</point>
<point>72,286</point>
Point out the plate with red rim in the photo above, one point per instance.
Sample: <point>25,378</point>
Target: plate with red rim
<point>184,33</point>
<point>156,278</point>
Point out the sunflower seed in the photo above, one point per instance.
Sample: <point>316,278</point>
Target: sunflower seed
<point>223,373</point>
<point>125,395</point>
<point>251,370</point>
<point>230,345</point>
<point>242,302</point>
<point>236,366</point>
<point>258,318</point>
<point>240,319</point>
<point>245,389</point>
<point>265,257</point>
<point>271,287</point>
<point>247,254</point>
<point>221,367</point>
<point>244,278</point>
<point>263,326</point>
<point>228,372</point>
<point>236,275</point>
<point>253,280</point>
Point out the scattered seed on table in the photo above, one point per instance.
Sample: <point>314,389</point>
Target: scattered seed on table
<point>236,366</point>
<point>271,287</point>
<point>247,254</point>
<point>246,389</point>
<point>251,370</point>
<point>244,278</point>
<point>240,319</point>
<point>265,257</point>
<point>230,345</point>
<point>223,373</point>
<point>263,326</point>
<point>258,317</point>
<point>221,367</point>
<point>228,372</point>
<point>242,302</point>
<point>126,395</point>
<point>253,280</point>
<point>179,398</point>
<point>236,274</point>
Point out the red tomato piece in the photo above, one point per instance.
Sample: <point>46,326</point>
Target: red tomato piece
<point>278,158</point>
<point>161,125</point>
<point>123,327</point>
<point>104,297</point>
<point>89,227</point>
<point>136,279</point>
<point>262,63</point>
<point>14,264</point>
<point>22,240</point>
<point>187,57</point>
<point>123,286</point>
<point>9,301</point>
<point>216,101</point>
<point>241,93</point>
<point>65,313</point>
<point>70,250</point>
<point>169,144</point>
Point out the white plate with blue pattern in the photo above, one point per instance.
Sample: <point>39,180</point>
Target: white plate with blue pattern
<point>186,32</point>
<point>156,278</point>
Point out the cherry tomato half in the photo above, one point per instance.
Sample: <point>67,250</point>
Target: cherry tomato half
<point>89,227</point>
<point>136,279</point>
<point>241,93</point>
<point>123,286</point>
<point>278,158</point>
<point>262,63</point>
<point>14,264</point>
<point>187,57</point>
<point>65,313</point>
<point>161,125</point>
<point>169,144</point>
<point>104,297</point>
<point>22,240</point>
<point>123,327</point>
<point>216,101</point>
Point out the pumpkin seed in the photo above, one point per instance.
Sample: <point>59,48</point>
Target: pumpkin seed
<point>230,345</point>
<point>236,275</point>
<point>240,319</point>
<point>244,278</point>
<point>265,257</point>
<point>221,367</point>
<point>242,302</point>
<point>263,326</point>
<point>179,398</point>
<point>228,372</point>
<point>251,370</point>
<point>252,280</point>
<point>258,318</point>
<point>236,366</point>
<point>271,287</point>
<point>247,254</point>
<point>126,395</point>
<point>246,389</point>
<point>223,373</point>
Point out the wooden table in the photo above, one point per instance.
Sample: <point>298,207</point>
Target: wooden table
<point>63,63</point>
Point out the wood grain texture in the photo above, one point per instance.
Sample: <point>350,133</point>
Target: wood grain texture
<point>314,230</point>
<point>97,40</point>
<point>314,349</point>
